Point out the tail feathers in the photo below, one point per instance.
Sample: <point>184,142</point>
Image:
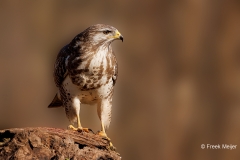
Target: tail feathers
<point>56,102</point>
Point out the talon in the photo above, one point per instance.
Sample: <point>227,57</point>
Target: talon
<point>111,147</point>
<point>72,127</point>
<point>84,129</point>
<point>103,134</point>
<point>79,129</point>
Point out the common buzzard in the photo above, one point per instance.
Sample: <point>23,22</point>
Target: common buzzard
<point>85,73</point>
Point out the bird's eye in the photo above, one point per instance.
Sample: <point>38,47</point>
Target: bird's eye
<point>106,32</point>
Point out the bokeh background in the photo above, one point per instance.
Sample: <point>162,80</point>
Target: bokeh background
<point>179,72</point>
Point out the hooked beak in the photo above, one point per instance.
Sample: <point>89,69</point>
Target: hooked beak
<point>121,38</point>
<point>118,36</point>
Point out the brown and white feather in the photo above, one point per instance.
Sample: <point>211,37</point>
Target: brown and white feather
<point>85,72</point>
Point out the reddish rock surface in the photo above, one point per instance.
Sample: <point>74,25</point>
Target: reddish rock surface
<point>54,144</point>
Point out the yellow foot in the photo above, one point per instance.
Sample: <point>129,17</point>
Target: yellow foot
<point>104,135</point>
<point>111,147</point>
<point>79,128</point>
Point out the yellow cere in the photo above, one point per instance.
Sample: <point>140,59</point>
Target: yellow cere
<point>117,34</point>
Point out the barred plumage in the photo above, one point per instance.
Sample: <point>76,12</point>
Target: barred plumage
<point>85,73</point>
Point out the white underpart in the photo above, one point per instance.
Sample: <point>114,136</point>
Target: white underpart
<point>70,87</point>
<point>76,105</point>
<point>99,58</point>
<point>74,109</point>
<point>105,112</point>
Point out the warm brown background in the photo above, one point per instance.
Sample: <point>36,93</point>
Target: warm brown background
<point>179,72</point>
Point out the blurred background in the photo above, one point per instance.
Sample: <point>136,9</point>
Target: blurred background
<point>179,72</point>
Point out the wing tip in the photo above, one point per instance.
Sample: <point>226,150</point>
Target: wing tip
<point>56,102</point>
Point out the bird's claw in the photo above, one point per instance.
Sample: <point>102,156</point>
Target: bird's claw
<point>111,147</point>
<point>104,135</point>
<point>81,129</point>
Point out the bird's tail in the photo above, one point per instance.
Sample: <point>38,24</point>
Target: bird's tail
<point>56,102</point>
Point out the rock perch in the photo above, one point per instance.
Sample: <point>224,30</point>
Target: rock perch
<point>54,144</point>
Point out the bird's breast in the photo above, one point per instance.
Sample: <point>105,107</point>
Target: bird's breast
<point>86,96</point>
<point>94,71</point>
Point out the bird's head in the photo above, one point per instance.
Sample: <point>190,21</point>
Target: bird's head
<point>101,33</point>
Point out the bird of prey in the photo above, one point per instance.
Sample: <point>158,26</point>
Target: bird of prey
<point>85,72</point>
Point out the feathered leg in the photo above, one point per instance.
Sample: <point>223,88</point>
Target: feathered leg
<point>104,109</point>
<point>73,113</point>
